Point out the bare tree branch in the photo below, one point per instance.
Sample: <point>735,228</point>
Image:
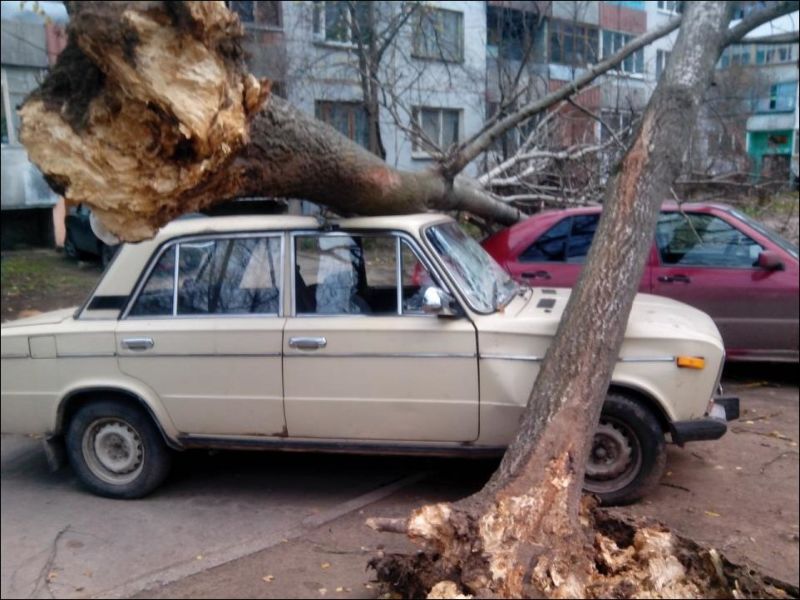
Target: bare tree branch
<point>756,18</point>
<point>466,153</point>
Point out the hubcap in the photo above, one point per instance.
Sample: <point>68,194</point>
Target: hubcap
<point>113,450</point>
<point>615,458</point>
<point>611,452</point>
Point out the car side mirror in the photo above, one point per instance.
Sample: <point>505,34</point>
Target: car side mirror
<point>435,301</point>
<point>770,261</point>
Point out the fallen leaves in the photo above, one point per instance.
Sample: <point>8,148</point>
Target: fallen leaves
<point>325,565</point>
<point>711,513</point>
<point>268,578</point>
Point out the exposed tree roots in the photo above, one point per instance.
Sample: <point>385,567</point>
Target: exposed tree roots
<point>620,557</point>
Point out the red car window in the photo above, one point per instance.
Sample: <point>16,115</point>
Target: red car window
<point>568,241</point>
<point>551,246</point>
<point>704,240</point>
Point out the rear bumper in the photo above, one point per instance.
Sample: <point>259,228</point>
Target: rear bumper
<point>713,427</point>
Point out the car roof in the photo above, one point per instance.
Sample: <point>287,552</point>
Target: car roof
<point>212,225</point>
<point>666,205</point>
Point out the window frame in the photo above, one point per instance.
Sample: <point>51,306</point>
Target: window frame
<point>664,265</point>
<point>174,244</point>
<point>398,235</point>
<point>319,30</point>
<point>417,149</point>
<point>664,7</point>
<point>587,28</point>
<point>440,57</point>
<point>662,58</point>
<point>352,107</point>
<point>637,57</point>
<point>260,25</point>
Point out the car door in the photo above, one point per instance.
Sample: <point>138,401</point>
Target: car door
<point>361,359</point>
<point>556,258</point>
<point>205,332</point>
<point>708,263</point>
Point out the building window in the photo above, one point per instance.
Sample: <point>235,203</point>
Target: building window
<point>3,103</point>
<point>614,41</point>
<point>662,56</point>
<point>670,7</point>
<point>340,22</point>
<point>573,45</point>
<point>736,55</point>
<point>439,35</point>
<point>440,126</point>
<point>774,54</point>
<point>257,13</point>
<point>510,33</point>
<point>348,118</point>
<point>781,96</point>
<point>745,8</point>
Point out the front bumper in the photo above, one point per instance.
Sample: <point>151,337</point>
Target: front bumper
<point>711,427</point>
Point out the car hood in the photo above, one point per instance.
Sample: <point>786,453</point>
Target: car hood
<point>541,309</point>
<point>48,318</point>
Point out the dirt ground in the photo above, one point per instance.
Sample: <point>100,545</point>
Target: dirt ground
<point>42,279</point>
<point>739,494</point>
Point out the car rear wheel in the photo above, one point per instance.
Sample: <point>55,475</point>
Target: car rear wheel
<point>107,253</point>
<point>70,249</point>
<point>116,450</point>
<point>628,453</point>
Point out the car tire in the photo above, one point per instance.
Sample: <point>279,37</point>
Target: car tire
<point>628,454</point>
<point>116,450</point>
<point>70,249</point>
<point>107,253</point>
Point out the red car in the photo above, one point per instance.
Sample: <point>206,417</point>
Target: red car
<point>708,255</point>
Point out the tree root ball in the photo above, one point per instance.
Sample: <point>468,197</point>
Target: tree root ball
<point>630,558</point>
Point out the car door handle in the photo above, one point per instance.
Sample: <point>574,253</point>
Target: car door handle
<point>674,278</point>
<point>144,343</point>
<point>536,274</point>
<point>307,343</point>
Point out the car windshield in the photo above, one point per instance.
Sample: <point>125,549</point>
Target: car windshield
<point>766,232</point>
<point>485,284</point>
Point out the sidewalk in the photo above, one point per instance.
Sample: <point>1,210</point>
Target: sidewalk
<point>328,561</point>
<point>738,494</point>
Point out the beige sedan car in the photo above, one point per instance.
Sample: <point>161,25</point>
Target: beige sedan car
<point>383,335</point>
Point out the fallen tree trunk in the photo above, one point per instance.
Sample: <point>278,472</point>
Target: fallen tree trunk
<point>150,113</point>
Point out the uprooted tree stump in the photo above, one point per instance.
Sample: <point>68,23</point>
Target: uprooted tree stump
<point>617,557</point>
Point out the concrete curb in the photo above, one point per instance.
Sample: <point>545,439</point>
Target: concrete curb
<point>221,556</point>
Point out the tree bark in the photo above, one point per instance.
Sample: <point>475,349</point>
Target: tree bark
<point>521,535</point>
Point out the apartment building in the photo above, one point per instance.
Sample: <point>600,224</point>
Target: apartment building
<point>446,67</point>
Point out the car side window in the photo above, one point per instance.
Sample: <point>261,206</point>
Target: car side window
<point>703,240</point>
<point>157,295</point>
<point>580,238</point>
<point>343,274</point>
<point>223,276</point>
<point>415,280</point>
<point>229,276</point>
<point>551,246</point>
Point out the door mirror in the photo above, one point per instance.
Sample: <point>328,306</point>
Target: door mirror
<point>770,261</point>
<point>436,301</point>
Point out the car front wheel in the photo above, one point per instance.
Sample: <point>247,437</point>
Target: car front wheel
<point>628,452</point>
<point>116,450</point>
